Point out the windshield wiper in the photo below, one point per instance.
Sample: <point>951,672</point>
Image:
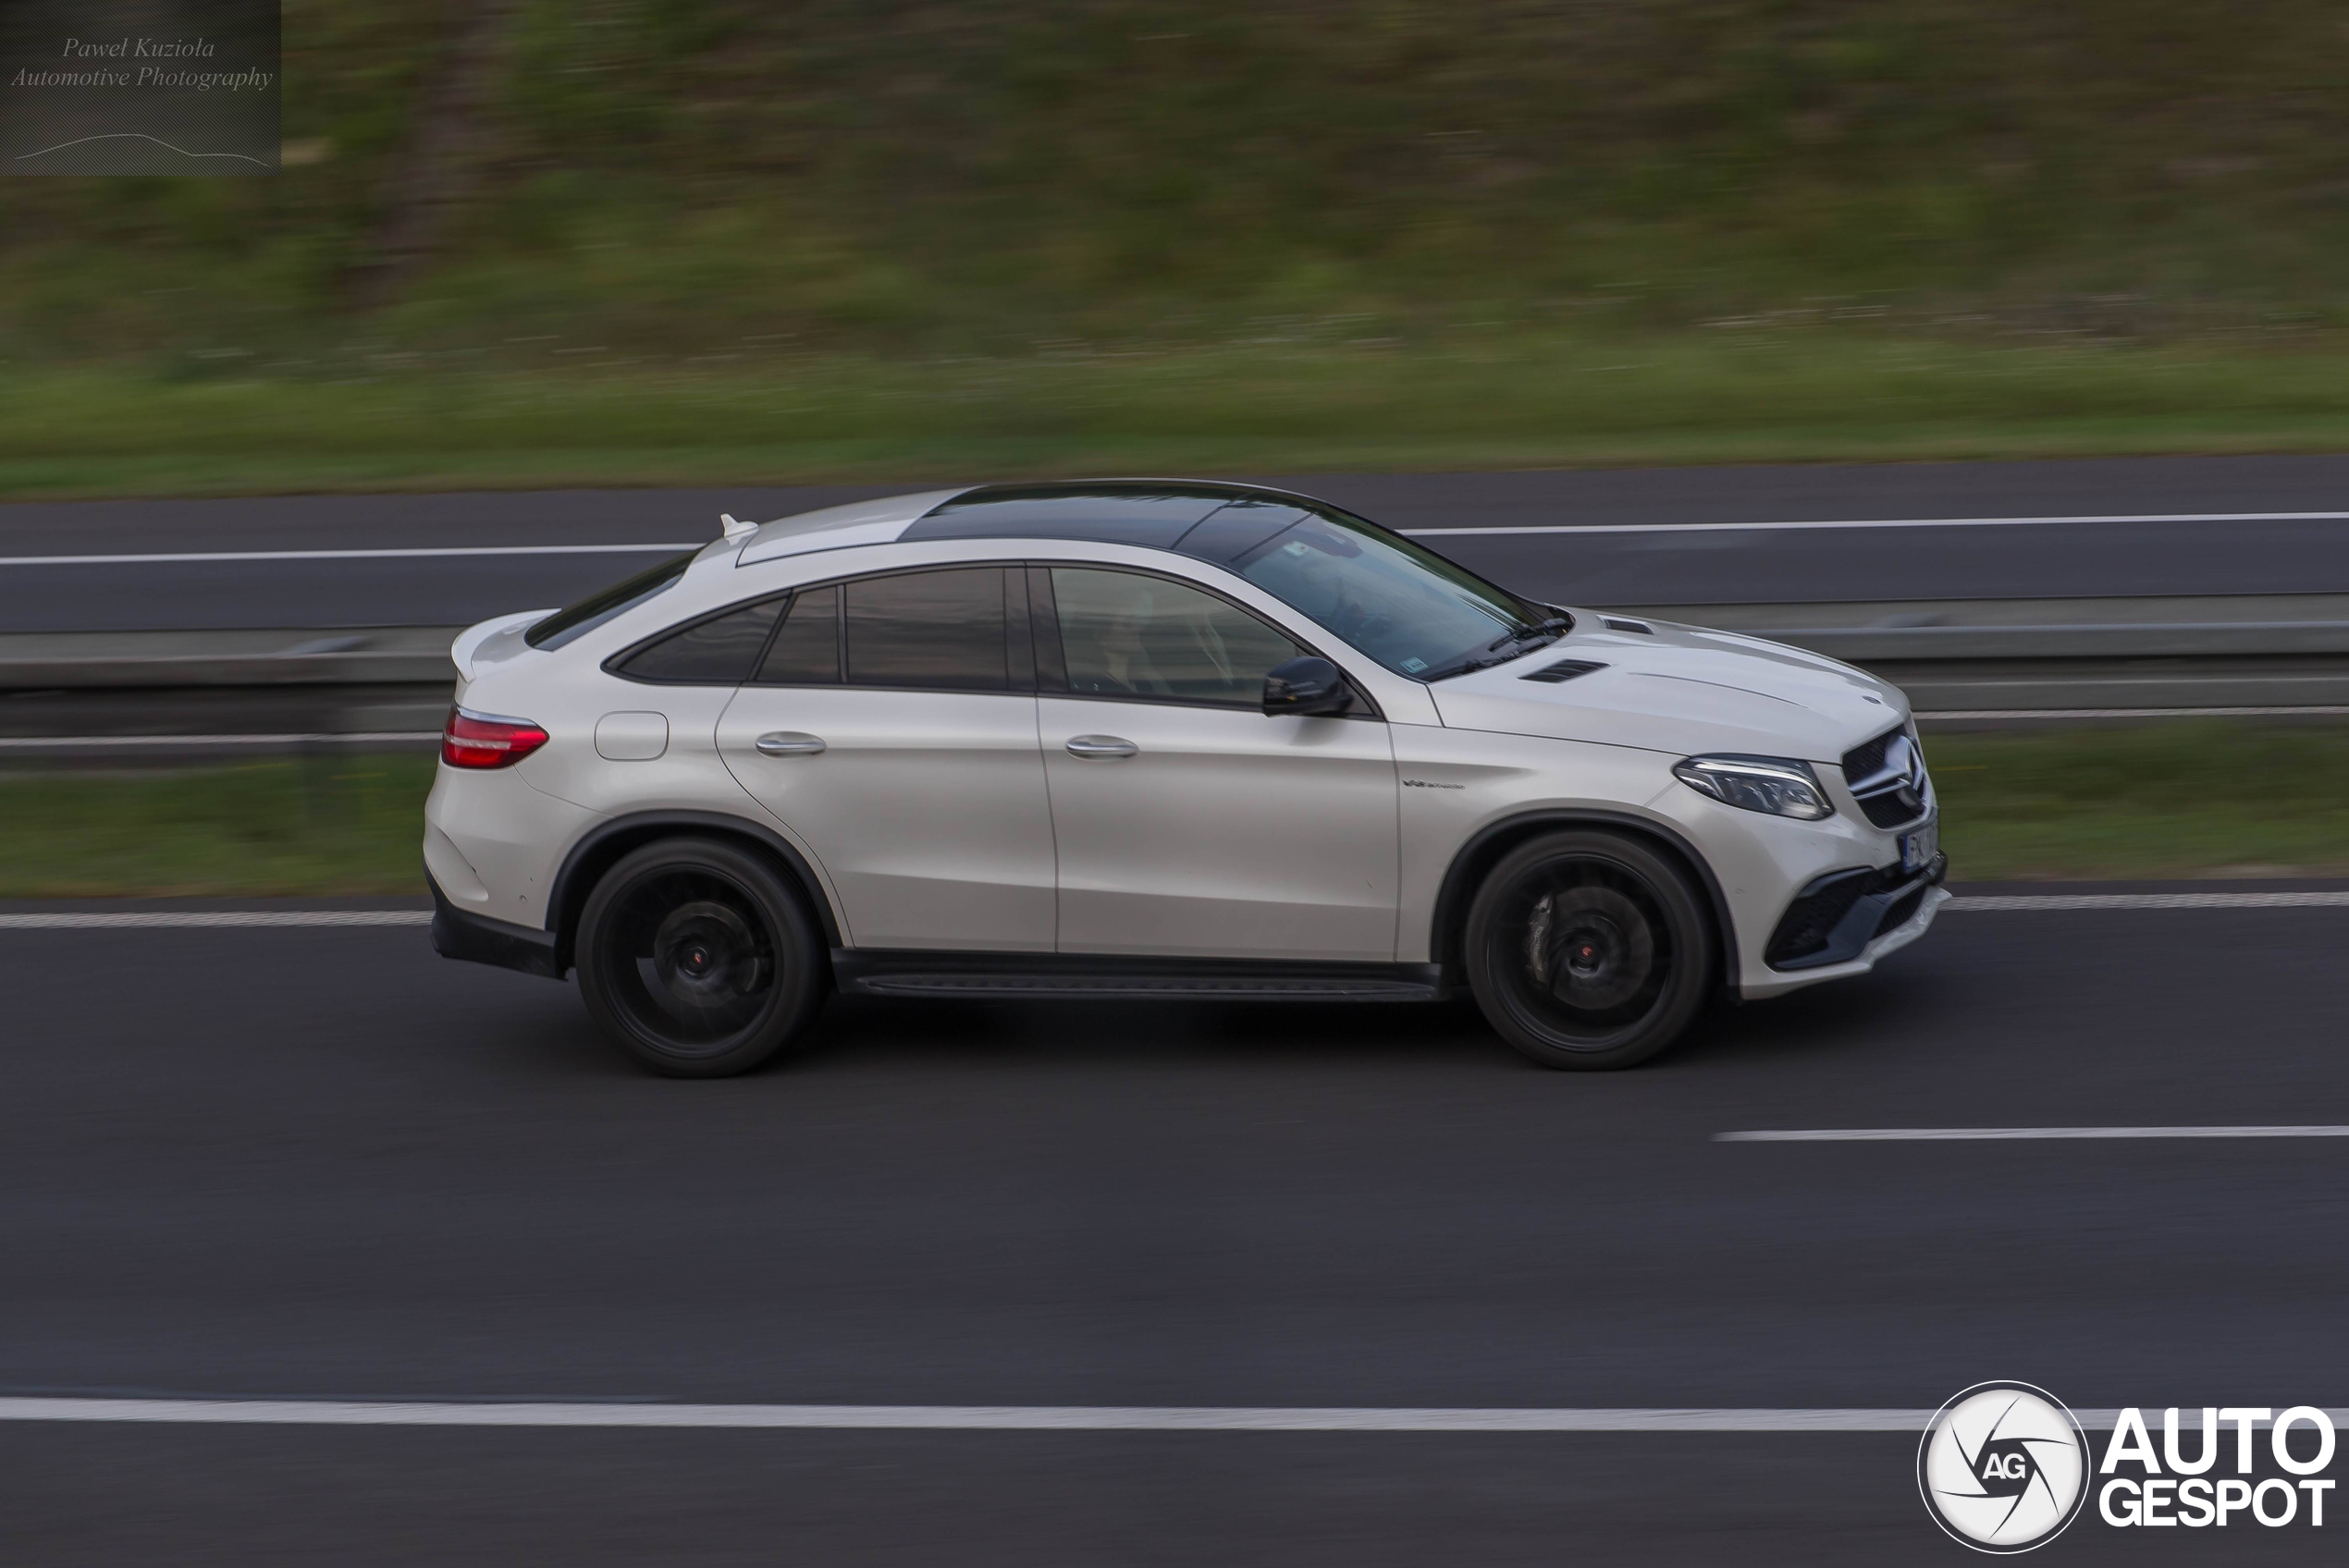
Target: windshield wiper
<point>1541,634</point>
<point>1544,629</point>
<point>1507,646</point>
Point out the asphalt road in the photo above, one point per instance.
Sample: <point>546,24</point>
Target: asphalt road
<point>326,1164</point>
<point>2259,552</point>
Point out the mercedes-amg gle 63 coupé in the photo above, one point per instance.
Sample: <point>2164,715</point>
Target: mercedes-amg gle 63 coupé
<point>1156,739</point>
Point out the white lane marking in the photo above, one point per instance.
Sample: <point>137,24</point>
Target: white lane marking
<point>2310,711</point>
<point>197,919</point>
<point>2010,1135</point>
<point>367,737</point>
<point>959,1418</point>
<point>987,1417</point>
<point>131,920</point>
<point>1877,523</point>
<point>2002,903</point>
<point>185,557</point>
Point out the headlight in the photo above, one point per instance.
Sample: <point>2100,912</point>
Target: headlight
<point>1779,786</point>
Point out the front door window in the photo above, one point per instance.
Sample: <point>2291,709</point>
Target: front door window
<point>1125,634</point>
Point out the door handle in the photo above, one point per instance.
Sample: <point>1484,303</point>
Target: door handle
<point>788,743</point>
<point>1102,746</point>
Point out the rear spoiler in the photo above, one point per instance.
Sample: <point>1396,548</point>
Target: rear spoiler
<point>469,640</point>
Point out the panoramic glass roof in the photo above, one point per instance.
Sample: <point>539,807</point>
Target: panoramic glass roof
<point>1215,522</point>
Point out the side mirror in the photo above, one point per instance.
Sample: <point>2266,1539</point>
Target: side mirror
<point>1307,687</point>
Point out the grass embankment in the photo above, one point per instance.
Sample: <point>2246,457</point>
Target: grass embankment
<point>2167,800</point>
<point>1305,405</point>
<point>317,825</point>
<point>718,241</point>
<point>2203,799</point>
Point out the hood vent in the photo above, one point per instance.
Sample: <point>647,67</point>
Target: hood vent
<point>1641,627</point>
<point>1565,669</point>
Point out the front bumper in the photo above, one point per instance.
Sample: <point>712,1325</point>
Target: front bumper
<point>461,934</point>
<point>1836,918</point>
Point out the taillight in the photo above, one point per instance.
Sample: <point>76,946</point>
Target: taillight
<point>481,739</point>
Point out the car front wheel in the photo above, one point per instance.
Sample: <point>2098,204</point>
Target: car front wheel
<point>697,961</point>
<point>1588,950</point>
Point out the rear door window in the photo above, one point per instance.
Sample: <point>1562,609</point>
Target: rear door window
<point>929,631</point>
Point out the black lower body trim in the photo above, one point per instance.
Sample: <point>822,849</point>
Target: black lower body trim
<point>460,934</point>
<point>1834,918</point>
<point>1109,977</point>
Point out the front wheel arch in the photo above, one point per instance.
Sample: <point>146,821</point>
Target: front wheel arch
<point>1484,852</point>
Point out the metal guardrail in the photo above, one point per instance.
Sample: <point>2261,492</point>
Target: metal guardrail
<point>2023,660</point>
<point>156,660</point>
<point>1963,662</point>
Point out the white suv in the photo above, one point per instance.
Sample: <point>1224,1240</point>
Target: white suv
<point>1155,739</point>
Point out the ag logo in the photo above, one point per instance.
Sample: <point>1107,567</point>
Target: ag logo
<point>2003,1467</point>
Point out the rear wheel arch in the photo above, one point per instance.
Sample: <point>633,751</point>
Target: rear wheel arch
<point>603,847</point>
<point>1484,850</point>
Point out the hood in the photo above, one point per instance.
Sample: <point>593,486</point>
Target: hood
<point>1679,688</point>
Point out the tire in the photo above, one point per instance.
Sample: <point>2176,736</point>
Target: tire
<point>1588,951</point>
<point>697,960</point>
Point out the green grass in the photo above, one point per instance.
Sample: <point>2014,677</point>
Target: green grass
<point>1312,403</point>
<point>2173,800</point>
<point>684,177</point>
<point>316,825</point>
<point>716,241</point>
<point>2170,800</point>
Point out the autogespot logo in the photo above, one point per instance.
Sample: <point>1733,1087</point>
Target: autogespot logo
<point>2003,1467</point>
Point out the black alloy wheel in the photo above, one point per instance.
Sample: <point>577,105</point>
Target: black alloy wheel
<point>1588,950</point>
<point>697,959</point>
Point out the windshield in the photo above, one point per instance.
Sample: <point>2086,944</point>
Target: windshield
<point>1411,610</point>
<point>564,626</point>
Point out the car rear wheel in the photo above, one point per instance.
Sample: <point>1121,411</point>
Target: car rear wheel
<point>697,961</point>
<point>1588,950</point>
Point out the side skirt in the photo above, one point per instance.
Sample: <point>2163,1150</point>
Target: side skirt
<point>1063,976</point>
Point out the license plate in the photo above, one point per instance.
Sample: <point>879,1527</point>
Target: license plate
<point>1918,849</point>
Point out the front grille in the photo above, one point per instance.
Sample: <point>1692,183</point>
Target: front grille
<point>1894,808</point>
<point>1867,759</point>
<point>1887,776</point>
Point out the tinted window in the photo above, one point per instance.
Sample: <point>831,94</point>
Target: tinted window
<point>1127,636</point>
<point>718,652</point>
<point>939,630</point>
<point>564,626</point>
<point>806,650</point>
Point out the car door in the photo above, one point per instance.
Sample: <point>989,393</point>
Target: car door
<point>891,726</point>
<point>1187,820</point>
